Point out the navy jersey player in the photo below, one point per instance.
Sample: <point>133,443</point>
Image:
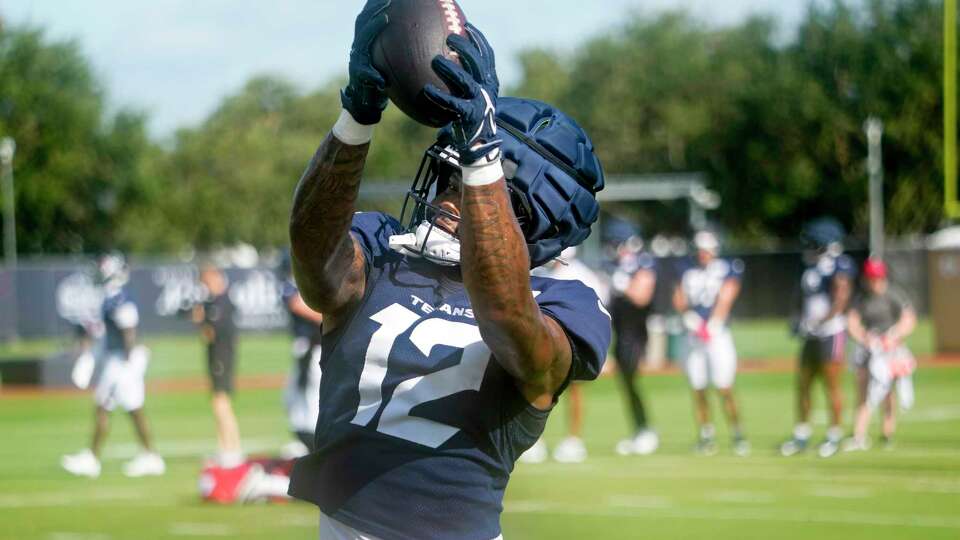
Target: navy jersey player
<point>442,356</point>
<point>122,375</point>
<point>826,287</point>
<point>705,295</point>
<point>302,393</point>
<point>633,280</point>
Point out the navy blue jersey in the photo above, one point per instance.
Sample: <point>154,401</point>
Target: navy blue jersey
<point>816,287</point>
<point>119,313</point>
<point>419,426</point>
<point>300,327</point>
<point>701,285</point>
<point>623,268</point>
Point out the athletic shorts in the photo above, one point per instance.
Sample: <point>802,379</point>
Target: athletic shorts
<point>823,350</point>
<point>122,380</point>
<point>713,362</point>
<point>302,394</point>
<point>630,334</point>
<point>220,364</point>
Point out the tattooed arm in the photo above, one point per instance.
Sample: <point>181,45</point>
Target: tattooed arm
<point>531,346</point>
<point>327,262</point>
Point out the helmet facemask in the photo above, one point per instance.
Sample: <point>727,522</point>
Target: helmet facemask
<point>423,237</point>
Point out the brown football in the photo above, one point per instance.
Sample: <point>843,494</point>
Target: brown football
<point>416,33</point>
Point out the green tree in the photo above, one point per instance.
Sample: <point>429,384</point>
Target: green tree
<point>78,171</point>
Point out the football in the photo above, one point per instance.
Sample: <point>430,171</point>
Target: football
<point>417,32</point>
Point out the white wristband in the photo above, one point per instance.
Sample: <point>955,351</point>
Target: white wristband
<point>349,131</point>
<point>482,175</point>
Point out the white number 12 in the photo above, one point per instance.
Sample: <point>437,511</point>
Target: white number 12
<point>467,375</point>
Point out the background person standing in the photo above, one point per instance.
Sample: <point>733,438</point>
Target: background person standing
<point>705,297</point>
<point>880,320</point>
<point>825,288</point>
<point>219,331</point>
<point>122,379</point>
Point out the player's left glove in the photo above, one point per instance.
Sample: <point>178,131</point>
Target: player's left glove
<point>472,100</point>
<point>365,96</point>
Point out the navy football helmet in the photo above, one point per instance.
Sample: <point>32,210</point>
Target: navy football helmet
<point>823,233</point>
<point>552,174</point>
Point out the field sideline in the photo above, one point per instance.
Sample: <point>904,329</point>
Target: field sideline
<point>908,492</point>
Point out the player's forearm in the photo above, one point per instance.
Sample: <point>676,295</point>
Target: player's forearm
<point>906,324</point>
<point>842,291</point>
<point>322,251</point>
<point>725,299</point>
<point>855,328</point>
<point>496,274</point>
<point>129,341</point>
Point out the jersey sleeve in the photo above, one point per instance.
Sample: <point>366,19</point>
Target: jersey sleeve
<point>373,230</point>
<point>846,266</point>
<point>735,270</point>
<point>585,320</point>
<point>126,315</point>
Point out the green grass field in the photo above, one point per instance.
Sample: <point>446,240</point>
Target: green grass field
<point>910,492</point>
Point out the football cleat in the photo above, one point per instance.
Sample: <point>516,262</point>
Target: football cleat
<point>83,463</point>
<point>741,447</point>
<point>793,447</point>
<point>853,444</point>
<point>644,443</point>
<point>570,450</point>
<point>145,464</point>
<point>828,448</point>
<point>535,454</point>
<point>706,446</point>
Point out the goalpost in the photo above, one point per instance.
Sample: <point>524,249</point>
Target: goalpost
<point>950,189</point>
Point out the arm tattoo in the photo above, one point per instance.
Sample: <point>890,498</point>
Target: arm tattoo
<point>327,264</point>
<point>496,274</point>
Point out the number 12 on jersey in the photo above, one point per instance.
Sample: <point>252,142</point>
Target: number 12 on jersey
<point>395,420</point>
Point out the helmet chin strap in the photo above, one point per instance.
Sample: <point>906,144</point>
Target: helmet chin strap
<point>429,242</point>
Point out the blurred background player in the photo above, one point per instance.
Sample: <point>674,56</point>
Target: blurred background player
<point>880,319</point>
<point>571,449</point>
<point>218,329</point>
<point>302,393</point>
<point>122,378</point>
<point>825,289</point>
<point>633,280</point>
<point>704,296</point>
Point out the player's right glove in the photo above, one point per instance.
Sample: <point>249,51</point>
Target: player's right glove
<point>365,96</point>
<point>472,100</point>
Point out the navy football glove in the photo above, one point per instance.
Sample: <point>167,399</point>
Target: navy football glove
<point>472,100</point>
<point>365,96</point>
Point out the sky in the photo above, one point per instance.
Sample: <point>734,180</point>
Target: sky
<point>176,59</point>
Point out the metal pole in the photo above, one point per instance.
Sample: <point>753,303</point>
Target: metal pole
<point>874,128</point>
<point>7,148</point>
<point>952,202</point>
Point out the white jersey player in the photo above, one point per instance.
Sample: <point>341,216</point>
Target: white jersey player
<point>122,379</point>
<point>704,296</point>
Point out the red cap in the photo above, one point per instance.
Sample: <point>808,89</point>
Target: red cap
<point>874,269</point>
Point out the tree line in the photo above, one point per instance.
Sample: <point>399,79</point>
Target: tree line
<point>776,125</point>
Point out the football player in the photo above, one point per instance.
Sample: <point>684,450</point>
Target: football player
<point>633,280</point>
<point>122,378</point>
<point>302,393</point>
<point>571,449</point>
<point>879,320</point>
<point>704,296</point>
<point>442,355</point>
<point>826,286</point>
<point>215,317</point>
